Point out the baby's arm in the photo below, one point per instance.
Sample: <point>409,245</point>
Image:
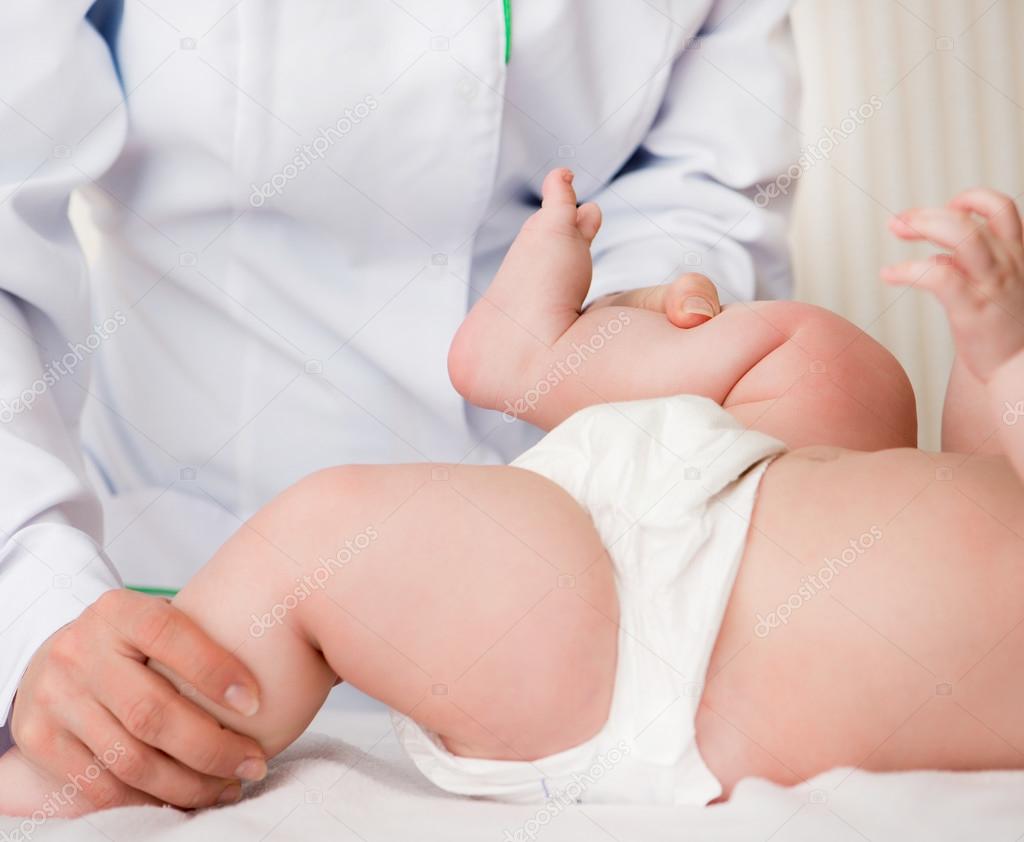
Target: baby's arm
<point>1006,391</point>
<point>981,285</point>
<point>791,370</point>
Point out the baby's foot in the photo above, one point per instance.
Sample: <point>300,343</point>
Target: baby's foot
<point>981,283</point>
<point>534,298</point>
<point>25,792</point>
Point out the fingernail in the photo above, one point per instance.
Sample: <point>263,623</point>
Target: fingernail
<point>231,794</point>
<point>252,769</point>
<point>697,307</point>
<point>241,699</point>
<point>568,175</point>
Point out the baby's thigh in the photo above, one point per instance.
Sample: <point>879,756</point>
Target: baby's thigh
<point>827,383</point>
<point>483,604</point>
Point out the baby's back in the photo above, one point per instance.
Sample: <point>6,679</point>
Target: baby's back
<point>877,620</point>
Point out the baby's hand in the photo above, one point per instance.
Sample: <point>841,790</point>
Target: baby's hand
<point>689,301</point>
<point>981,282</point>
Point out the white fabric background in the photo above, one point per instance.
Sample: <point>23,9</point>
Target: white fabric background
<point>952,117</point>
<point>365,790</point>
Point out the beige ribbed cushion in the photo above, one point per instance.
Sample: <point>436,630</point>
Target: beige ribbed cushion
<point>950,119</point>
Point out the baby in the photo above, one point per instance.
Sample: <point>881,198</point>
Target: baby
<point>726,558</point>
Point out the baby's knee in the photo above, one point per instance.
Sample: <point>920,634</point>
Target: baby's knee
<point>827,382</point>
<point>322,512</point>
<point>867,371</point>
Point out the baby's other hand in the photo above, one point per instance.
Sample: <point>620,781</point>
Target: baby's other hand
<point>980,278</point>
<point>689,301</point>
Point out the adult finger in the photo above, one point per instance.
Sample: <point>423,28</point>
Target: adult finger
<point>688,301</point>
<point>86,775</point>
<point>691,300</point>
<point>160,631</point>
<point>153,712</point>
<point>146,769</point>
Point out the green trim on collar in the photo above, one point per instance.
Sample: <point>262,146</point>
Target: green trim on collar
<point>508,29</point>
<point>167,592</point>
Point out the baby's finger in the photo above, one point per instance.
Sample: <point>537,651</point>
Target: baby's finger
<point>971,241</point>
<point>938,274</point>
<point>691,300</point>
<point>998,209</point>
<point>920,272</point>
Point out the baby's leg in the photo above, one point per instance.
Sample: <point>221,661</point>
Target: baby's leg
<point>477,600</point>
<point>794,371</point>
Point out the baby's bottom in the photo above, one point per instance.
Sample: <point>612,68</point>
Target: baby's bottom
<point>876,620</point>
<point>477,600</point>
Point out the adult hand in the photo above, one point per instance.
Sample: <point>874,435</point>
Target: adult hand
<point>689,301</point>
<point>88,709</point>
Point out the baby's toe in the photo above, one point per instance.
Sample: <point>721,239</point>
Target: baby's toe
<point>588,220</point>
<point>557,190</point>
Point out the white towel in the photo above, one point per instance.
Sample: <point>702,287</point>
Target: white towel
<point>323,788</point>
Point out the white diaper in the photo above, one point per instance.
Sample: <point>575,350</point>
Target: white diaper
<point>670,485</point>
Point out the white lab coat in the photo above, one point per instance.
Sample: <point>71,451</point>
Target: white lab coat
<point>296,204</point>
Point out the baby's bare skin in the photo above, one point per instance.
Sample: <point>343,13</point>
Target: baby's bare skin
<point>910,659</point>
